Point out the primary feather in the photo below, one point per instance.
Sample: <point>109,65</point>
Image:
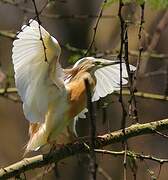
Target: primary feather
<point>108,80</point>
<point>32,69</point>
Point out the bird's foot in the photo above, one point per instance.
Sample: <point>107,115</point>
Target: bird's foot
<point>55,146</point>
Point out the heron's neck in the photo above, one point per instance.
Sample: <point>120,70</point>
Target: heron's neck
<point>76,73</point>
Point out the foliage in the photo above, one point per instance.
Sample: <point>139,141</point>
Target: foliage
<point>77,53</point>
<point>75,57</point>
<point>156,4</point>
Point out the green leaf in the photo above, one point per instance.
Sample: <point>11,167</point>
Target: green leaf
<point>140,1</point>
<point>158,4</point>
<point>75,57</point>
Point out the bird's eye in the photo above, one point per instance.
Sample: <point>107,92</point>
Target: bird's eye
<point>97,63</point>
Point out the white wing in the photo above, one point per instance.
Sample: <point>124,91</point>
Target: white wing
<point>108,80</point>
<point>31,69</point>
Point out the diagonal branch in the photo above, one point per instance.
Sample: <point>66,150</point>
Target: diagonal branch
<point>7,34</point>
<point>82,146</point>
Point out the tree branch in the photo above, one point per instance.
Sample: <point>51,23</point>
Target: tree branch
<point>8,90</point>
<point>133,155</point>
<point>144,95</point>
<point>82,146</point>
<point>7,34</point>
<point>125,92</point>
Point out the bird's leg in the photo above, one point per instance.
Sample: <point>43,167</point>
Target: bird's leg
<point>50,167</point>
<point>54,166</point>
<point>53,146</point>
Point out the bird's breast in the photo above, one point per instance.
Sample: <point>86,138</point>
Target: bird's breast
<point>77,96</point>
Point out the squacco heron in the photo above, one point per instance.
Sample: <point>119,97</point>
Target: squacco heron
<point>52,96</point>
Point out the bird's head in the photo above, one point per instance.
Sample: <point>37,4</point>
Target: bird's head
<point>87,65</point>
<point>91,64</point>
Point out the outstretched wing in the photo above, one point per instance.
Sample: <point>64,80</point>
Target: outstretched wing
<point>32,68</point>
<point>108,79</point>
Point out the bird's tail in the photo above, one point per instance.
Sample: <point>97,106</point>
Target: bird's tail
<point>38,137</point>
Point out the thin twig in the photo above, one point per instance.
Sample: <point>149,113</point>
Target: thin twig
<point>125,160</point>
<point>95,28</point>
<point>92,119</point>
<point>161,134</point>
<point>124,113</point>
<point>104,173</point>
<point>140,47</point>
<point>36,16</point>
<point>160,168</point>
<point>132,154</point>
<point>134,77</point>
<point>24,9</point>
<point>39,23</point>
<point>59,16</point>
<point>133,113</point>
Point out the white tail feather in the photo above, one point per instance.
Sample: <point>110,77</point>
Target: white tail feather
<point>37,140</point>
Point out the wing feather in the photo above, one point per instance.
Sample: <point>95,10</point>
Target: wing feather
<point>108,80</point>
<point>31,69</point>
